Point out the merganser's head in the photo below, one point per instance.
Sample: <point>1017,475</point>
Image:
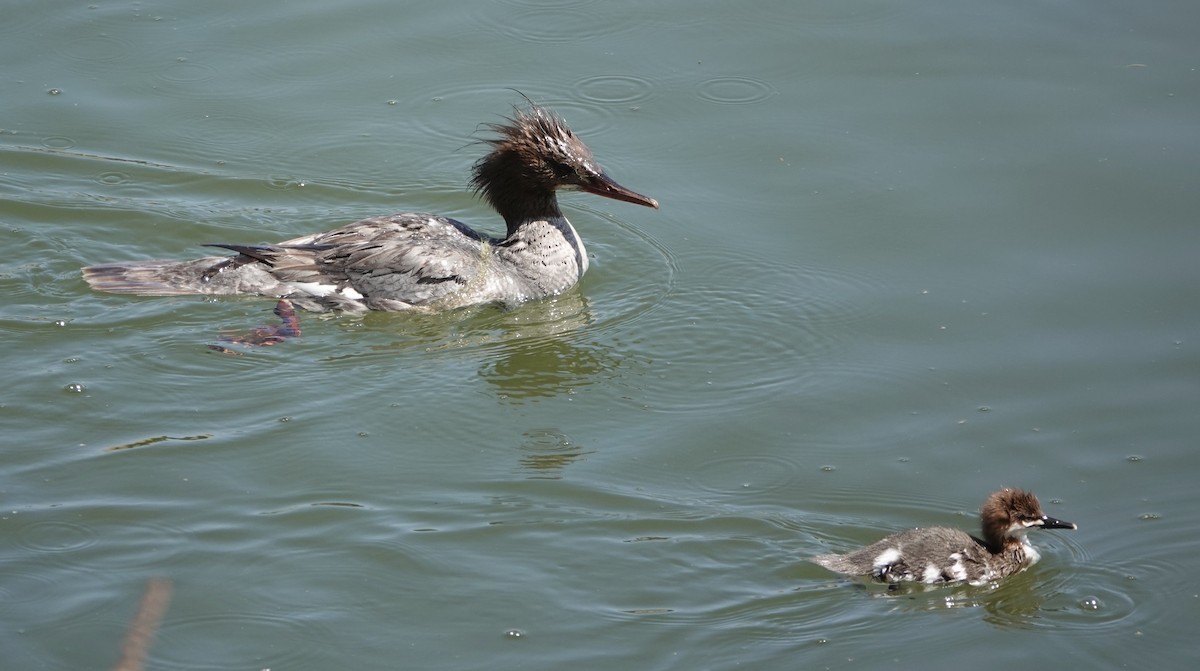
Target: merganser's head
<point>534,155</point>
<point>1009,514</point>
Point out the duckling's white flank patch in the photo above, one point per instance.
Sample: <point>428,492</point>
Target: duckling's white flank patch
<point>886,558</point>
<point>958,570</point>
<point>932,573</point>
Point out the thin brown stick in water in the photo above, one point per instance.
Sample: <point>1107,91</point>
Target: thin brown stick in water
<point>145,623</point>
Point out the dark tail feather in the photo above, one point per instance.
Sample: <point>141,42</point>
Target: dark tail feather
<point>263,253</point>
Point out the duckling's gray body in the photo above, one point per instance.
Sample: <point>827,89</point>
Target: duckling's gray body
<point>942,554</point>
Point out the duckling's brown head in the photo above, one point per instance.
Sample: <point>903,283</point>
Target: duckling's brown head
<point>1009,513</point>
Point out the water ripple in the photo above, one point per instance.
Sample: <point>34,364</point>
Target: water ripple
<point>191,74</point>
<point>546,452</point>
<point>432,112</point>
<point>542,4</point>
<point>248,640</point>
<point>94,51</point>
<point>849,170</point>
<point>222,134</point>
<point>559,24</point>
<point>734,90</point>
<point>22,586</point>
<point>25,22</point>
<point>905,503</point>
<point>185,71</point>
<point>758,603</point>
<point>103,628</point>
<point>745,473</point>
<point>311,64</point>
<point>53,536</point>
<point>128,543</point>
<point>619,296</point>
<point>1087,596</point>
<point>783,326</point>
<point>622,89</point>
<point>58,142</point>
<point>586,119</point>
<point>226,135</point>
<point>1088,599</point>
<point>320,579</point>
<point>113,178</point>
<point>843,13</point>
<point>560,344</point>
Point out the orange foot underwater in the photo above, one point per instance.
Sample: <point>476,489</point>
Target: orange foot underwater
<point>289,327</point>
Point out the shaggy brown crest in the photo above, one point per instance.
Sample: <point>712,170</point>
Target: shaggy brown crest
<point>535,154</point>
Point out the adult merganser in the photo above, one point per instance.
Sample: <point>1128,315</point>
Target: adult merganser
<point>940,554</point>
<point>415,260</point>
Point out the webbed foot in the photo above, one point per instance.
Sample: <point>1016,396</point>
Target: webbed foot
<point>263,336</point>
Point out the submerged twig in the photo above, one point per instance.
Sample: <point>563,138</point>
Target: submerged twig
<point>145,623</point>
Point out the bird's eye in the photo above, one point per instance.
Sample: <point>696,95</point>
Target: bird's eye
<point>562,171</point>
